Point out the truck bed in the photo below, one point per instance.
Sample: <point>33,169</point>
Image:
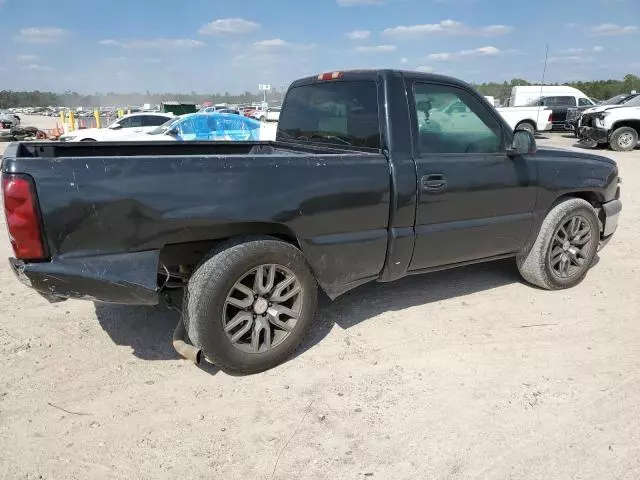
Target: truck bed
<point>106,207</point>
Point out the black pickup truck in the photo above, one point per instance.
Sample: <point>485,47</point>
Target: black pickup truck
<point>362,184</point>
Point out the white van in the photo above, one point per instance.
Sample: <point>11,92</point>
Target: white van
<point>527,95</point>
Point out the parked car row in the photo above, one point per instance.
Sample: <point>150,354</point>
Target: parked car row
<point>218,125</point>
<point>262,113</point>
<point>559,98</point>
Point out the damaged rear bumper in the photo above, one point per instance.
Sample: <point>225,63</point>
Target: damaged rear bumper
<point>129,279</point>
<point>600,135</point>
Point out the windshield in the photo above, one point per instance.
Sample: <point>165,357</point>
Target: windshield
<point>615,100</point>
<point>113,122</point>
<point>164,127</point>
<point>339,113</point>
<point>632,101</point>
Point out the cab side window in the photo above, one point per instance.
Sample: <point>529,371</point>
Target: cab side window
<point>584,102</point>
<point>452,120</point>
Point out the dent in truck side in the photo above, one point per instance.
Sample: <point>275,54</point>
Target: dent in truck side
<point>335,206</point>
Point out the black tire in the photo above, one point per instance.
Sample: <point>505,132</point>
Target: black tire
<point>207,292</point>
<point>535,263</point>
<point>527,127</point>
<point>88,140</point>
<point>624,139</point>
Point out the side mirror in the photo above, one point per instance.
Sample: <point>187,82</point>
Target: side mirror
<point>172,132</point>
<point>524,143</point>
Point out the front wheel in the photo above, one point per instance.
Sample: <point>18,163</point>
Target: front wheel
<point>624,139</point>
<point>250,304</point>
<point>565,248</point>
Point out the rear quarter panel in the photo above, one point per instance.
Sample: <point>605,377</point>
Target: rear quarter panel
<point>335,206</point>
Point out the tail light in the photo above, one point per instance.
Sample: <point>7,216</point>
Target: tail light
<point>21,214</point>
<point>551,117</point>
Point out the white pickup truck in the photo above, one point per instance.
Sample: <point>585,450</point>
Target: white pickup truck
<point>531,119</point>
<point>457,115</point>
<point>617,125</point>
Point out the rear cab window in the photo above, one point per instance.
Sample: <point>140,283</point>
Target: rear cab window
<point>566,101</point>
<point>339,113</point>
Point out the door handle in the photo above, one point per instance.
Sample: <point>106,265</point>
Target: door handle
<point>434,183</point>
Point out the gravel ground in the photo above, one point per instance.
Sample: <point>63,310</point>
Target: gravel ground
<point>461,374</point>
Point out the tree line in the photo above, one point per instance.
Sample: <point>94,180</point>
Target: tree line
<point>597,89</point>
<point>11,99</point>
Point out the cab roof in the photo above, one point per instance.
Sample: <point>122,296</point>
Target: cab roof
<point>374,74</point>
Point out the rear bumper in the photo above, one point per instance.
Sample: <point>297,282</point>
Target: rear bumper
<point>600,135</point>
<point>129,279</point>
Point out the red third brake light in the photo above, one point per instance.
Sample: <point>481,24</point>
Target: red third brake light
<point>22,219</point>
<point>330,76</point>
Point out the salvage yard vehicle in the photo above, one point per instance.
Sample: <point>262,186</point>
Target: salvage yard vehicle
<point>530,119</point>
<point>359,186</point>
<point>207,126</point>
<point>616,125</point>
<point>127,125</point>
<point>574,113</point>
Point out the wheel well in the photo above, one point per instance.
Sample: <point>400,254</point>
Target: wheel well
<point>635,124</point>
<point>590,197</point>
<point>530,122</point>
<point>179,259</point>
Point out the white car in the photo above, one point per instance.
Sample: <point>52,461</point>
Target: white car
<point>271,114</point>
<point>204,127</point>
<point>134,124</point>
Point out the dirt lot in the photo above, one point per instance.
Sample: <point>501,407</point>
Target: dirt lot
<point>457,375</point>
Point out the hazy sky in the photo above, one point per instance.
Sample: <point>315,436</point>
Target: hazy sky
<point>216,46</point>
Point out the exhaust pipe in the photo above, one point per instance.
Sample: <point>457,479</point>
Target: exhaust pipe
<point>184,348</point>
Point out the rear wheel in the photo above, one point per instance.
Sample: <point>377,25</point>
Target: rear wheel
<point>565,248</point>
<point>527,127</point>
<point>88,140</point>
<point>624,139</point>
<point>250,304</point>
